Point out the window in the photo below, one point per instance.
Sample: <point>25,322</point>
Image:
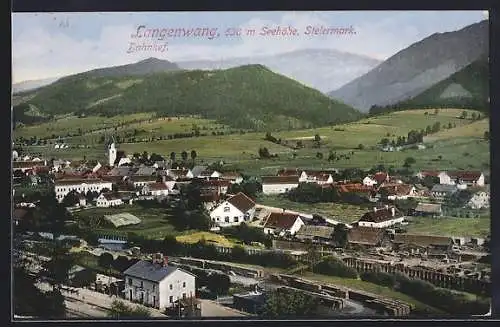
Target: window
<point>183,284</point>
<point>130,281</point>
<point>226,219</point>
<point>235,219</point>
<point>226,209</point>
<point>217,218</point>
<point>183,295</point>
<point>171,299</point>
<point>142,284</point>
<point>170,286</point>
<point>154,287</point>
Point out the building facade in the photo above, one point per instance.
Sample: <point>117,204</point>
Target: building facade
<point>63,187</point>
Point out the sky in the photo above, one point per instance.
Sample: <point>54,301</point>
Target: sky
<point>46,45</point>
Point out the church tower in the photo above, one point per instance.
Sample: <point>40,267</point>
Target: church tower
<point>112,154</point>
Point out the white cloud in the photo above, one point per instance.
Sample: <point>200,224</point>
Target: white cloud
<point>486,14</point>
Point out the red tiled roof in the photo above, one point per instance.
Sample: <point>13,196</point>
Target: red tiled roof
<point>380,215</point>
<point>354,188</point>
<point>216,182</point>
<point>380,177</point>
<point>241,202</point>
<point>282,220</point>
<point>231,175</point>
<point>27,164</point>
<point>294,179</point>
<point>79,181</point>
<point>465,175</point>
<point>111,196</point>
<point>432,173</point>
<point>397,189</point>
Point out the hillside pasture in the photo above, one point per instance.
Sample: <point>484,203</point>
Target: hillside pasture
<point>448,226</point>
<point>71,124</point>
<point>473,130</point>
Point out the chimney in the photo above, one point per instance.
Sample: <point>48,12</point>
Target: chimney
<point>393,211</point>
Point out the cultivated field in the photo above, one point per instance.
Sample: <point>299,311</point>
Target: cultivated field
<point>346,213</point>
<point>448,226</point>
<point>473,130</point>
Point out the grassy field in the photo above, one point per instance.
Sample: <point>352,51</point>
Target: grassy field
<point>458,148</point>
<point>154,221</point>
<point>447,226</point>
<point>372,288</point>
<point>62,126</point>
<point>207,236</point>
<point>474,130</point>
<point>342,212</point>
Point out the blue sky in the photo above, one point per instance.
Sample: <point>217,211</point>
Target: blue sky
<point>55,44</point>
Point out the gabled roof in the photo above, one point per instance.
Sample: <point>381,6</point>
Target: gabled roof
<point>281,220</point>
<point>380,215</point>
<point>432,173</point>
<point>120,171</point>
<point>138,178</point>
<point>26,164</point>
<point>421,240</point>
<point>294,179</point>
<point>465,175</point>
<point>428,207</point>
<point>231,175</point>
<point>397,189</point>
<point>365,235</point>
<point>197,170</point>
<point>145,171</point>
<point>315,231</point>
<point>149,271</point>
<point>111,196</point>
<point>157,187</point>
<point>354,188</point>
<point>79,181</point>
<point>242,202</point>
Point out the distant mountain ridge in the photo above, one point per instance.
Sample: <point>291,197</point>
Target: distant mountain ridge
<point>416,68</point>
<point>25,86</point>
<point>322,69</point>
<point>249,96</point>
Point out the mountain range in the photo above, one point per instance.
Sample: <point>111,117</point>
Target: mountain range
<point>247,97</point>
<point>416,68</point>
<point>322,69</point>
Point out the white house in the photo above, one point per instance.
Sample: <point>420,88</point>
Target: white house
<point>180,173</point>
<point>397,191</point>
<point>156,284</point>
<point>369,181</point>
<point>440,191</point>
<point>233,177</point>
<point>479,200</point>
<point>235,210</point>
<point>279,184</point>
<point>381,218</point>
<point>282,223</point>
<point>63,187</point>
<point>112,155</point>
<point>106,200</point>
<point>470,178</point>
<point>155,189</point>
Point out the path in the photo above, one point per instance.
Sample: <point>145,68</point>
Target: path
<point>210,308</point>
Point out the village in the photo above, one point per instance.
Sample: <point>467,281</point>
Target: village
<point>375,241</point>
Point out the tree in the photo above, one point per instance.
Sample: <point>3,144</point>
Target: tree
<point>71,199</point>
<point>172,156</point>
<point>264,153</point>
<point>156,157</point>
<point>473,116</point>
<point>319,155</point>
<point>105,260</point>
<point>436,111</point>
<point>121,310</point>
<point>340,235</point>
<point>409,161</point>
<point>313,256</point>
<point>384,142</point>
<point>184,155</point>
<point>289,303</point>
<point>193,155</point>
<point>361,146</point>
<point>486,135</point>
<point>317,138</point>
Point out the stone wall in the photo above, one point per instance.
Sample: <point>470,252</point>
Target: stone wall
<point>439,279</point>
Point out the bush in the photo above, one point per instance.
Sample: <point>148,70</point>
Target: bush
<point>379,278</point>
<point>335,267</point>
